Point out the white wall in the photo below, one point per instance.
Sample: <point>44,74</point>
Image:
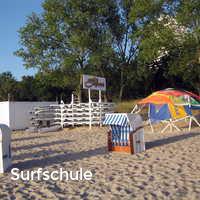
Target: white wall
<point>16,114</point>
<point>4,113</point>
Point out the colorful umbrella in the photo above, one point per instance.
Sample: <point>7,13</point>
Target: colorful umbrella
<point>171,105</point>
<point>172,96</point>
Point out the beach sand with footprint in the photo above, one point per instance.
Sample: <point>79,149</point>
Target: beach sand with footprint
<point>168,169</point>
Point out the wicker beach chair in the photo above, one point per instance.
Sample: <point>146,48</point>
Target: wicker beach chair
<point>126,133</point>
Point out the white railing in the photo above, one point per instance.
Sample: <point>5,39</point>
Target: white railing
<point>72,114</point>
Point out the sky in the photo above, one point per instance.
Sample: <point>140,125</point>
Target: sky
<point>13,15</point>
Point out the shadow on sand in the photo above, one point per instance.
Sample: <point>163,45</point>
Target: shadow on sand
<point>73,156</point>
<point>40,145</point>
<point>37,154</point>
<point>30,138</point>
<point>44,162</point>
<point>170,140</point>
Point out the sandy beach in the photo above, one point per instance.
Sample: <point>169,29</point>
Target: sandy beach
<point>168,169</point>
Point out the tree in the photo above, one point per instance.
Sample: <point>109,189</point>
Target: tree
<point>67,36</point>
<point>188,15</point>
<point>53,86</point>
<point>139,46</point>
<point>169,41</point>
<point>125,49</point>
<point>8,87</point>
<point>26,89</point>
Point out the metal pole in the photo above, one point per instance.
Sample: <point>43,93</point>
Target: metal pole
<point>100,109</point>
<point>89,96</point>
<point>100,100</point>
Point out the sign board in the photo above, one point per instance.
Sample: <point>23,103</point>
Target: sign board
<point>94,83</point>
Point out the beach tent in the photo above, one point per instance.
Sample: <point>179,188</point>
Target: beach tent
<point>126,132</point>
<point>170,106</point>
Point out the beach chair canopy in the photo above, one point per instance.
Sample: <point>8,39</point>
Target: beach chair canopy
<point>123,119</point>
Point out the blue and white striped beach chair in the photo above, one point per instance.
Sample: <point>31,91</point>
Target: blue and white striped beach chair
<point>126,133</point>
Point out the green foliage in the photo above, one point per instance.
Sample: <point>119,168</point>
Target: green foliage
<point>8,86</point>
<point>169,42</point>
<point>68,36</point>
<point>139,46</point>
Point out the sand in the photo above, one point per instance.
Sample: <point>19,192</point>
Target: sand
<point>168,169</point>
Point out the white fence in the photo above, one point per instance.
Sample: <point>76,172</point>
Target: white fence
<point>72,114</point>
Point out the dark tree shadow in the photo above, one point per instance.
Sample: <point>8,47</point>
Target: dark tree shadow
<point>30,138</point>
<point>37,154</point>
<point>65,157</point>
<point>40,145</point>
<point>170,140</point>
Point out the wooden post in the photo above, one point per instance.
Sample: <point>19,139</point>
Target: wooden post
<point>109,140</point>
<point>131,142</point>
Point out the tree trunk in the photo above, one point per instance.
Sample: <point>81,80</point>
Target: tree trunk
<point>80,89</point>
<point>81,81</point>
<point>198,89</point>
<point>121,85</point>
<point>105,95</point>
<point>121,93</point>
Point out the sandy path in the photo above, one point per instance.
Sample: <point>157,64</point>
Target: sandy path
<point>169,169</point>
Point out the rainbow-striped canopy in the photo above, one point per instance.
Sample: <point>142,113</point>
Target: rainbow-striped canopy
<point>172,96</point>
<point>171,104</point>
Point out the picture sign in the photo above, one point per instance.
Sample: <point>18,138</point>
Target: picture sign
<point>94,82</point>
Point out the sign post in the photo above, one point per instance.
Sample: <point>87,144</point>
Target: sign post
<point>90,108</point>
<point>94,83</point>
